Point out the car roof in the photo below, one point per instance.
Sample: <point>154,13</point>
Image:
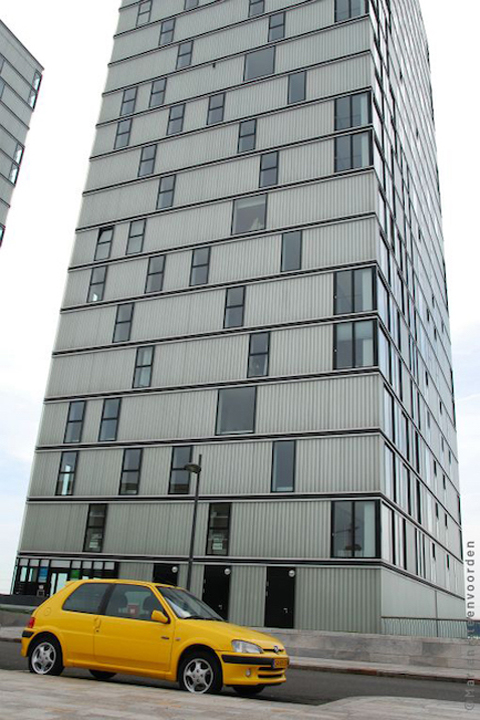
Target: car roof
<point>123,581</point>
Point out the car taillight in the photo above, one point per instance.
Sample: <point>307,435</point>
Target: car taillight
<point>31,623</point>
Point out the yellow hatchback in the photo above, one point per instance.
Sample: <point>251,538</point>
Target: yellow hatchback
<point>139,628</point>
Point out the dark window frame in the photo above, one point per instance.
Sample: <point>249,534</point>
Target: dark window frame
<point>218,430</point>
<point>267,49</point>
<point>354,272</point>
<point>185,50</point>
<point>162,82</point>
<point>266,169</point>
<point>275,445</point>
<point>155,274</point>
<point>123,132</point>
<point>120,323</point>
<point>354,324</point>
<point>95,286</point>
<point>62,473</point>
<point>79,422</point>
<point>351,139</point>
<point>140,365</point>
<point>108,418</point>
<point>237,305</point>
<point>353,503</point>
<point>349,10</point>
<point>90,526</point>
<point>285,239</point>
<point>243,135</point>
<point>218,109</point>
<point>265,354</point>
<point>236,201</point>
<point>256,8</point>
<point>144,9</point>
<point>273,35</point>
<point>148,157</point>
<point>167,30</point>
<point>169,192</point>
<point>176,468</point>
<point>195,265</point>
<point>211,528</point>
<point>176,119</point>
<point>128,103</point>
<point>302,75</point>
<point>125,473</point>
<point>134,236</point>
<point>350,98</point>
<point>108,229</point>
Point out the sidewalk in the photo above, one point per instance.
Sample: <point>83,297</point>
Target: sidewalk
<point>31,697</point>
<point>416,672</point>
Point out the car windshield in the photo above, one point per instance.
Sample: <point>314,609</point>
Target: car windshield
<point>187,606</point>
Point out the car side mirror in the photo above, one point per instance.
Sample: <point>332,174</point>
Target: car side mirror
<point>159,616</point>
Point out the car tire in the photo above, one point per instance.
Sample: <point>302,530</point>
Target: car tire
<point>45,656</point>
<point>248,690</point>
<point>102,674</point>
<point>200,672</point>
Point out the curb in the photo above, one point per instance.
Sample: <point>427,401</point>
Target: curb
<point>373,672</point>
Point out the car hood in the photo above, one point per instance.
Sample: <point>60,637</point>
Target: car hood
<point>225,632</point>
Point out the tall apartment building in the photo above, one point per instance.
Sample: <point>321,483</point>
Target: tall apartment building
<point>258,277</point>
<point>20,78</point>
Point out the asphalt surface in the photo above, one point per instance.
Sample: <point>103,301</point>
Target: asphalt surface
<point>303,686</point>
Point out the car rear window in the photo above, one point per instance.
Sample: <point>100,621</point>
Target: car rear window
<point>86,598</point>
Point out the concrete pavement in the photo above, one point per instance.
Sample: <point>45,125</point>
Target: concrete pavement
<point>13,634</point>
<point>50,698</point>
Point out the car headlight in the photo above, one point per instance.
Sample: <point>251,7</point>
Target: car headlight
<point>240,646</point>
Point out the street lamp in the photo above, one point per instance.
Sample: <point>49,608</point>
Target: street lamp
<point>196,469</point>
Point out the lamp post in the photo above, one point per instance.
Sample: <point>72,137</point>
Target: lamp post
<point>196,469</point>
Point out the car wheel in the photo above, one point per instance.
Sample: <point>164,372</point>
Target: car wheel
<point>101,674</point>
<point>248,690</point>
<point>200,673</point>
<point>45,657</point>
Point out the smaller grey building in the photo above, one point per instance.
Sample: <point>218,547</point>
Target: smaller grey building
<point>20,79</point>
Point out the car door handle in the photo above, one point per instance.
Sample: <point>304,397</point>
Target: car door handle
<point>164,637</point>
<point>96,623</point>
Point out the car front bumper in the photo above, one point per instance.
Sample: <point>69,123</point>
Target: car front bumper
<point>254,669</point>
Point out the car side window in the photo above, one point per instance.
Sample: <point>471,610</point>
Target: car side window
<point>86,599</point>
<point>132,601</point>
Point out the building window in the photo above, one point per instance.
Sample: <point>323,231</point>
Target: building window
<point>190,4</point>
<point>66,473</point>
<point>348,9</point>
<point>352,152</point>
<point>234,307</point>
<point>129,99</point>
<point>157,92</point>
<point>291,251</point>
<point>75,418</point>
<point>268,169</point>
<point>249,214</point>
<point>33,93</point>
<point>104,243</point>
<point>167,31</point>
<point>179,478</point>
<point>352,111</point>
<point>147,160</point>
<point>258,353</point>
<point>200,266</point>
<point>247,135</point>
<point>283,466</point>
<point>218,529</point>
<point>256,7</point>
<point>354,345</point>
<point>122,138</point>
<point>216,109</point>
<point>184,57</point>
<point>109,421</point>
<point>354,529</point>
<point>123,323</point>
<point>142,376</point>
<point>175,119</point>
<point>155,274</point>
<point>354,291</point>
<point>166,192</point>
<point>96,288</point>
<point>276,27</point>
<point>236,410</point>
<point>136,236</point>
<point>259,63</point>
<point>17,159</point>
<point>297,87</point>
<point>131,468</point>
<point>94,532</point>
<point>144,12</point>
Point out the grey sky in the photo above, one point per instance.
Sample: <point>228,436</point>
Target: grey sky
<point>46,202</point>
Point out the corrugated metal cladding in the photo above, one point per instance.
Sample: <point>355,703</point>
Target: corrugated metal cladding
<point>296,52</point>
<point>328,464</point>
<point>136,571</point>
<point>54,527</point>
<point>247,595</point>
<point>342,599</point>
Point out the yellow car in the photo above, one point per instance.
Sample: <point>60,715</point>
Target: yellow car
<point>139,628</point>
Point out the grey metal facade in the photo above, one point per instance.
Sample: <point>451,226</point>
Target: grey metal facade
<point>358,382</point>
<point>20,79</point>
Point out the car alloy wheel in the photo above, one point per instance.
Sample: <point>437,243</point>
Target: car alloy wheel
<point>198,675</point>
<point>44,658</point>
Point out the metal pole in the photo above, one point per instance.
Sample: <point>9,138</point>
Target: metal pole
<point>194,524</point>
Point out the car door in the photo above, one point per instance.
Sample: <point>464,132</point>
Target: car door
<point>76,621</point>
<point>127,638</point>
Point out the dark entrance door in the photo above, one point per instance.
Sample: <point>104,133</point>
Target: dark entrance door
<point>280,597</point>
<point>165,574</point>
<point>216,588</point>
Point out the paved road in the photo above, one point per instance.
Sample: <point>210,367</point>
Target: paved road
<point>302,686</point>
